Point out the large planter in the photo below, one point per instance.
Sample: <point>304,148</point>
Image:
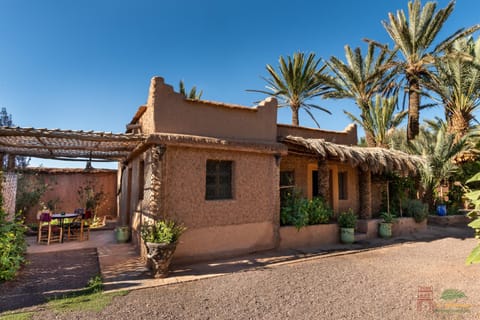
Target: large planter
<point>122,234</point>
<point>347,235</point>
<point>159,256</point>
<point>442,209</point>
<point>385,229</point>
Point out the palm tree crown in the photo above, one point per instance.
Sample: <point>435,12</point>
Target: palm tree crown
<point>296,84</point>
<point>457,83</point>
<point>361,78</point>
<point>413,38</point>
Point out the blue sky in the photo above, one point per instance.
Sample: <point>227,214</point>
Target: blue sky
<point>86,65</point>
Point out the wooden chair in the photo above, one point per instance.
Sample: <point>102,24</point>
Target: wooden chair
<point>79,228</point>
<point>48,233</point>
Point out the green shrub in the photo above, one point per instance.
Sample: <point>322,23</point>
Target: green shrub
<point>416,209</point>
<point>300,212</point>
<point>347,219</point>
<point>319,211</point>
<point>13,246</point>
<point>162,231</point>
<point>387,217</point>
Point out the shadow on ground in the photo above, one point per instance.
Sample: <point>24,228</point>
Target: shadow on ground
<point>48,275</point>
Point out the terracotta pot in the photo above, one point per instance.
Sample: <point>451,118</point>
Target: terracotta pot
<point>159,256</point>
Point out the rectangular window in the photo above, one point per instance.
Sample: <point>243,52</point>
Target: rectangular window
<point>342,185</point>
<point>218,180</point>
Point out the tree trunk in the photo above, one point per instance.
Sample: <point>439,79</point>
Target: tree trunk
<point>370,138</point>
<point>295,110</point>
<point>458,125</point>
<point>413,108</point>
<point>323,180</point>
<point>365,189</point>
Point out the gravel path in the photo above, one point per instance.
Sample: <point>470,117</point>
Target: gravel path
<point>378,284</point>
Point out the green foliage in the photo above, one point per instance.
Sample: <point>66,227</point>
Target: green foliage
<point>30,189</point>
<point>192,94</point>
<point>162,231</point>
<point>400,190</point>
<point>296,83</point>
<point>13,245</point>
<point>301,212</point>
<point>474,197</point>
<point>416,209</point>
<point>387,217</point>
<point>347,219</point>
<point>90,196</point>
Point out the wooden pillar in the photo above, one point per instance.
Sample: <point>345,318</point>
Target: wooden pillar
<point>11,162</point>
<point>323,179</point>
<point>365,190</point>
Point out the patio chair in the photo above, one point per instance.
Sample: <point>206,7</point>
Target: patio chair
<point>79,228</point>
<point>48,233</point>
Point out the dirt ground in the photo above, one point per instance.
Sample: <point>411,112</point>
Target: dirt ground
<point>47,275</point>
<point>381,283</point>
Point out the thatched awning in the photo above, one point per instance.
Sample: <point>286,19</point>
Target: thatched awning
<point>377,160</point>
<point>67,144</point>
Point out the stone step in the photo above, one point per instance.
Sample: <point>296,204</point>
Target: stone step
<point>360,236</point>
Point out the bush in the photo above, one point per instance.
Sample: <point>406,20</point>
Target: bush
<point>300,212</point>
<point>162,231</point>
<point>416,209</point>
<point>12,246</point>
<point>347,219</point>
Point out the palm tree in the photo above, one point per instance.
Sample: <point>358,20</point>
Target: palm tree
<point>192,94</point>
<point>457,83</point>
<point>414,38</point>
<point>439,148</point>
<point>296,84</point>
<point>380,119</point>
<point>360,79</point>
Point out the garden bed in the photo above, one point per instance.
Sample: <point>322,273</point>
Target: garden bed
<point>309,236</point>
<point>403,226</point>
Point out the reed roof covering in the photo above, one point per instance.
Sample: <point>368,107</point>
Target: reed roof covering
<point>377,160</point>
<point>67,144</point>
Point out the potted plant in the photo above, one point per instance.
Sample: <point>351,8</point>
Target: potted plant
<point>347,222</point>
<point>161,238</point>
<point>385,226</point>
<point>122,234</point>
<point>441,206</point>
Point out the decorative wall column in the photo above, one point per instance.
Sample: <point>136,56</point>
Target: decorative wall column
<point>323,179</point>
<point>365,193</point>
<point>155,201</point>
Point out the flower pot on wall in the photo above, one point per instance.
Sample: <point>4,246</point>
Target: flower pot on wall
<point>122,234</point>
<point>347,235</point>
<point>159,257</point>
<point>442,209</point>
<point>385,229</point>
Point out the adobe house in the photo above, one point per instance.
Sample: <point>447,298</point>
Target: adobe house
<point>218,168</point>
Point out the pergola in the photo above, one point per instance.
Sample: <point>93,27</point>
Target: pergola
<point>68,144</point>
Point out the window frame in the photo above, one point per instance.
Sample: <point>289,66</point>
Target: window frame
<point>222,190</point>
<point>342,177</point>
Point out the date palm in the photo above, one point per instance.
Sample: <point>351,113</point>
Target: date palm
<point>457,83</point>
<point>361,78</point>
<point>439,148</point>
<point>192,94</point>
<point>381,119</point>
<point>414,37</point>
<point>295,84</point>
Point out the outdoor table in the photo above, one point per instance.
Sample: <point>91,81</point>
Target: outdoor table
<point>61,217</point>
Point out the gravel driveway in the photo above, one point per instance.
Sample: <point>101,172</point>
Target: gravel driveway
<point>377,284</point>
